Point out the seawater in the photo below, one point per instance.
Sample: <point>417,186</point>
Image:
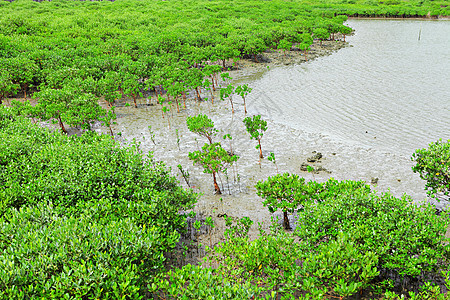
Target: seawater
<point>389,90</point>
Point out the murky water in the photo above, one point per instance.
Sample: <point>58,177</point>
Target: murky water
<point>365,108</point>
<point>388,91</point>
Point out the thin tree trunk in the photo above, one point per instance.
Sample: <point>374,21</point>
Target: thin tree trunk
<point>212,82</point>
<point>260,150</point>
<point>286,221</point>
<point>232,106</point>
<point>216,186</point>
<point>184,99</point>
<point>110,130</point>
<point>198,94</point>
<point>134,99</point>
<point>62,125</point>
<point>176,101</point>
<point>245,106</point>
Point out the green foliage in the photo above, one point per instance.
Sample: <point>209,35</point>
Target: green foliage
<point>214,159</point>
<point>7,87</point>
<point>285,45</point>
<point>405,237</point>
<point>273,266</point>
<point>243,91</point>
<point>286,192</point>
<point>256,127</point>
<point>68,105</point>
<point>45,255</point>
<point>271,158</point>
<point>202,125</point>
<point>196,282</point>
<point>82,217</point>
<point>321,34</point>
<point>433,165</point>
<point>228,92</point>
<point>340,266</point>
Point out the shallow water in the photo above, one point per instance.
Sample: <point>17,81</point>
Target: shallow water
<point>388,91</point>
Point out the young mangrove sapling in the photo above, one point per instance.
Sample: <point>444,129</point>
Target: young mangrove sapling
<point>256,128</point>
<point>202,125</point>
<point>214,159</point>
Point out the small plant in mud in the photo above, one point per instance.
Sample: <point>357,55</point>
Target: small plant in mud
<point>228,136</point>
<point>178,138</point>
<point>203,126</point>
<point>228,93</point>
<point>256,128</point>
<point>243,91</point>
<point>214,159</point>
<point>210,223</point>
<point>185,174</point>
<point>226,77</point>
<point>152,134</point>
<point>271,158</point>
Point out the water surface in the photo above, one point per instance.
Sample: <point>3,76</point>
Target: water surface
<point>388,91</point>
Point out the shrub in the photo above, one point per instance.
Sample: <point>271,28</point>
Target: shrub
<point>75,173</point>
<point>407,238</point>
<point>48,256</point>
<point>433,165</point>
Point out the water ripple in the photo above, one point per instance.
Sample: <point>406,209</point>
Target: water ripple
<point>389,91</point>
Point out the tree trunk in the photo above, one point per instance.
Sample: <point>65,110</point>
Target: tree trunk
<point>260,150</point>
<point>176,101</point>
<point>232,107</point>
<point>198,94</point>
<point>134,99</point>
<point>62,125</point>
<point>245,107</point>
<point>212,82</point>
<point>286,221</point>
<point>216,186</point>
<point>110,130</point>
<point>184,99</point>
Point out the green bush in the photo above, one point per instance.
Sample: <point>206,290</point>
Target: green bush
<point>433,165</point>
<point>407,238</point>
<point>196,282</point>
<point>75,173</point>
<point>82,217</point>
<point>47,256</point>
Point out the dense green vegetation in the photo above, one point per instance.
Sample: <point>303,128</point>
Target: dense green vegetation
<point>349,240</point>
<point>82,216</point>
<point>73,53</point>
<point>68,54</point>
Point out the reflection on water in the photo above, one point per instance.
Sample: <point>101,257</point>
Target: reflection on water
<point>389,91</point>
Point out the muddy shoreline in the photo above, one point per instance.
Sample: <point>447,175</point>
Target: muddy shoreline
<point>292,148</point>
